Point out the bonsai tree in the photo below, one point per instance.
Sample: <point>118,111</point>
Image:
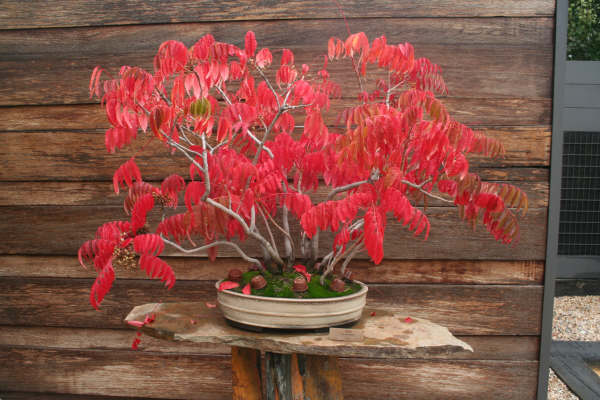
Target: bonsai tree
<point>252,129</point>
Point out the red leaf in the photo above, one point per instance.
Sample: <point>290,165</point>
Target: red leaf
<point>250,44</point>
<point>102,285</point>
<point>287,58</point>
<point>149,244</point>
<point>374,230</point>
<point>174,226</point>
<point>409,320</point>
<point>157,268</point>
<point>137,190</point>
<point>171,186</point>
<point>246,289</point>
<point>92,249</point>
<point>264,58</point>
<point>300,268</point>
<point>141,208</point>
<point>225,285</point>
<point>127,172</point>
<point>135,343</point>
<point>137,324</point>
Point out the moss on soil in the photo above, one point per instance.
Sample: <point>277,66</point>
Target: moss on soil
<point>281,286</point>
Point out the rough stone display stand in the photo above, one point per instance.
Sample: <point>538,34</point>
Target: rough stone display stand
<point>297,365</point>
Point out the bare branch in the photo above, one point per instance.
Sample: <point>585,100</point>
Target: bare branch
<point>185,151</point>
<point>288,237</point>
<point>262,214</point>
<point>206,174</point>
<point>264,77</point>
<point>264,242</point>
<point>213,244</point>
<point>425,192</point>
<point>341,189</point>
<point>350,257</point>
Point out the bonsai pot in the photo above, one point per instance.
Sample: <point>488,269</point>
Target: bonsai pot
<point>288,313</point>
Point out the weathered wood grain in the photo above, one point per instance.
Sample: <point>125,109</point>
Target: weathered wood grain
<point>484,272</point>
<point>484,347</point>
<point>88,117</point>
<point>471,51</point>
<point>116,373</point>
<point>57,193</point>
<point>66,228</point>
<point>480,73</point>
<point>246,374</point>
<point>464,309</point>
<point>423,380</point>
<point>16,14</point>
<point>73,155</point>
<point>123,373</point>
<point>57,396</point>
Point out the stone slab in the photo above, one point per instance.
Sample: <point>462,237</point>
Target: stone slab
<point>384,334</point>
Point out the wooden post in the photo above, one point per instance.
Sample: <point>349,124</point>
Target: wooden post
<point>246,374</point>
<point>302,376</point>
<point>321,377</point>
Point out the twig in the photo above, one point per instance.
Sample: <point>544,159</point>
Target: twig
<point>425,192</point>
<point>206,174</point>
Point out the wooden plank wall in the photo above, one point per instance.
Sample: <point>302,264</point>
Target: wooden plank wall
<point>55,177</point>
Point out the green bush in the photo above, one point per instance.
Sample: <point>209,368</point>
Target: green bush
<point>583,38</point>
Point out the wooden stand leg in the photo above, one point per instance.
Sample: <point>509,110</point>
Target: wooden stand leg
<point>301,377</point>
<point>246,374</point>
<point>321,377</point>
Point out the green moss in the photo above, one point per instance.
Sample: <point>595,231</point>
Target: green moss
<point>280,285</point>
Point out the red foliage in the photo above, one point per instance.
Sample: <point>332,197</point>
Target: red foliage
<point>394,150</point>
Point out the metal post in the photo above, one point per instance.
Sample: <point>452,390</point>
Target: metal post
<point>560,55</point>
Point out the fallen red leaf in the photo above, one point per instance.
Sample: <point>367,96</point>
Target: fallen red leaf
<point>300,268</point>
<point>373,314</point>
<point>409,320</point>
<point>193,322</point>
<point>149,319</point>
<point>135,343</point>
<point>246,289</point>
<point>228,285</point>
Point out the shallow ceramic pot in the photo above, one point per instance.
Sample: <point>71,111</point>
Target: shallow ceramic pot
<point>283,313</point>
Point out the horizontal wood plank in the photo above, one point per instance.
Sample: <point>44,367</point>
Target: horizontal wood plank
<point>53,193</point>
<point>57,396</point>
<point>389,271</point>
<point>66,228</point>
<point>73,155</point>
<point>172,376</point>
<point>422,380</point>
<point>464,309</point>
<point>53,66</point>
<point>41,14</point>
<point>484,347</point>
<point>89,117</point>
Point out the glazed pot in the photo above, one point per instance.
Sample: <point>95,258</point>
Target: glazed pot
<point>286,313</point>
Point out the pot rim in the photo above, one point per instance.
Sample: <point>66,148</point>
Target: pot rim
<point>363,290</point>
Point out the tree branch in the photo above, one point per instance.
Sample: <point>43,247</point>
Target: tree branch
<point>264,242</point>
<point>213,244</point>
<point>425,192</point>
